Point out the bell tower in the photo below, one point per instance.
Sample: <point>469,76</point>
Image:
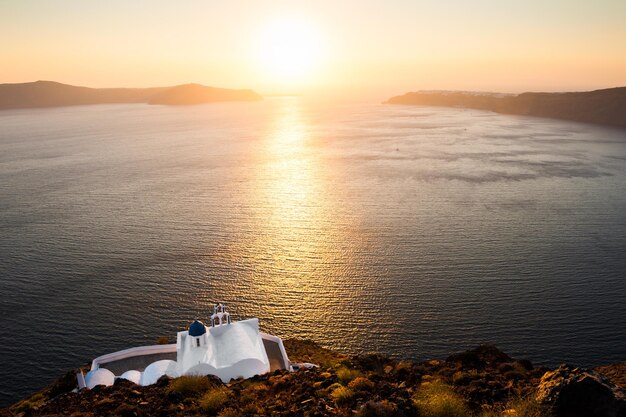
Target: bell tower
<point>220,315</point>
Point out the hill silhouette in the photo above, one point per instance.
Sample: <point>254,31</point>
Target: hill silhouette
<point>196,94</point>
<point>607,107</point>
<point>52,94</point>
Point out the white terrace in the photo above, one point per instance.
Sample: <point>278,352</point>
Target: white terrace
<point>225,349</point>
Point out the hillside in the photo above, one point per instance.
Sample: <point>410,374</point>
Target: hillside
<point>52,94</point>
<point>483,382</point>
<point>196,94</point>
<point>607,107</point>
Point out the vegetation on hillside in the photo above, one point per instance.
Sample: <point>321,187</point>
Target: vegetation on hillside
<point>483,382</point>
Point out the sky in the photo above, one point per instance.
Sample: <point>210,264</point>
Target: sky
<point>351,47</point>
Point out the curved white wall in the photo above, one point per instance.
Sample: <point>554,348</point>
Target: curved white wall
<point>201,369</point>
<point>100,376</point>
<point>236,342</point>
<point>156,370</point>
<point>132,376</point>
<point>246,368</point>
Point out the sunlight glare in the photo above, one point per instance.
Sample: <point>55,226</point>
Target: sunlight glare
<point>290,49</point>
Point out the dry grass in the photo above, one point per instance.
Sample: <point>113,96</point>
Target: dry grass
<point>309,351</point>
<point>229,412</point>
<point>252,392</point>
<point>361,384</point>
<point>346,375</point>
<point>190,385</point>
<point>520,407</point>
<point>342,395</point>
<point>30,404</point>
<point>214,400</point>
<point>436,399</point>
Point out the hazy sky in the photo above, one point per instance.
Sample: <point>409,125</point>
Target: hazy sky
<point>370,47</point>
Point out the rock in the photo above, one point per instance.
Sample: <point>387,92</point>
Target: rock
<point>163,381</point>
<point>64,384</point>
<point>126,410</point>
<point>615,372</point>
<point>579,392</point>
<point>326,383</point>
<point>121,382</point>
<point>374,363</point>
<point>175,397</point>
<point>377,409</point>
<point>480,358</point>
<point>525,364</point>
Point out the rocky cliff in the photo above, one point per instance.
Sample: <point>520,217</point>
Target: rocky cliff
<point>607,107</point>
<point>483,382</point>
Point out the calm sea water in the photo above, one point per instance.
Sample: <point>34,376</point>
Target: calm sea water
<point>410,231</point>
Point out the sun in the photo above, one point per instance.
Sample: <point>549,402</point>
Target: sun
<point>290,49</point>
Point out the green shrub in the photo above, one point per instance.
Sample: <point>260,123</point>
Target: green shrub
<point>345,375</point>
<point>436,399</point>
<point>214,400</point>
<point>342,395</point>
<point>190,385</point>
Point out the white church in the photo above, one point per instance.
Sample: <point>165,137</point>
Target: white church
<point>225,349</point>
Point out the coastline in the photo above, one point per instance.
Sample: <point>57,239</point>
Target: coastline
<point>604,107</point>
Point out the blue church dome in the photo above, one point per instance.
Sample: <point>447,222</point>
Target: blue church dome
<point>197,328</point>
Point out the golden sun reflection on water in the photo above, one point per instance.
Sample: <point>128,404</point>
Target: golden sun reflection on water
<point>292,211</point>
<point>296,257</point>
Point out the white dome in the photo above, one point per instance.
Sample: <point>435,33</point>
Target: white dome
<point>156,370</point>
<point>132,376</point>
<point>99,376</point>
<point>201,369</point>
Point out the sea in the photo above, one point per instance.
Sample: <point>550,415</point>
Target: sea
<point>414,232</point>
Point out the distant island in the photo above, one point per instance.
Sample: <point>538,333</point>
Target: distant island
<point>606,107</point>
<point>53,94</point>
